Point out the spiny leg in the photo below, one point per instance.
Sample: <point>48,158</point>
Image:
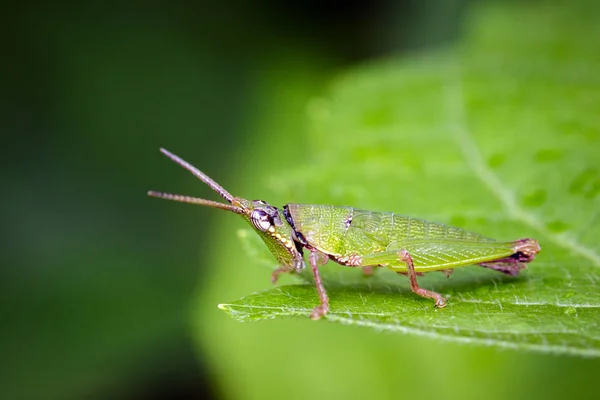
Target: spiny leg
<point>317,258</point>
<point>414,286</point>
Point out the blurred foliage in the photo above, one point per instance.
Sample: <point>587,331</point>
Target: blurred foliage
<point>498,136</point>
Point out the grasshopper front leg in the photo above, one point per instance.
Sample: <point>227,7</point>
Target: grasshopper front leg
<point>279,271</point>
<point>295,267</point>
<point>392,257</point>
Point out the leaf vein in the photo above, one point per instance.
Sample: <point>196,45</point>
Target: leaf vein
<point>454,104</point>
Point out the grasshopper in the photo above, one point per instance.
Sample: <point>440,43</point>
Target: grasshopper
<point>360,238</point>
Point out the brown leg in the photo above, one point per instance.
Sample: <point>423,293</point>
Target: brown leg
<point>277,272</point>
<point>317,258</point>
<point>447,272</point>
<point>296,266</point>
<point>414,286</point>
<point>368,270</point>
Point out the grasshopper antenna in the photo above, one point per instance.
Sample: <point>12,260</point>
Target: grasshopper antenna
<point>204,178</point>
<point>200,175</point>
<point>195,200</point>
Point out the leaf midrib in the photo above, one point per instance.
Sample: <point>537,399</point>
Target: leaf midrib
<point>457,115</point>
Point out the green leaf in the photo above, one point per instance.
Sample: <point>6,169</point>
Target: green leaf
<point>501,137</point>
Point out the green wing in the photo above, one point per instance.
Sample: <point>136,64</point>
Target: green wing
<point>388,227</point>
<point>435,254</point>
<point>433,246</point>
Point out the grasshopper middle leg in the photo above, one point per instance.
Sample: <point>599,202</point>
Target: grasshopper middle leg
<point>316,259</point>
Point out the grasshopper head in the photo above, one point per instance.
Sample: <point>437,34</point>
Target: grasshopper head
<point>271,225</point>
<point>266,220</point>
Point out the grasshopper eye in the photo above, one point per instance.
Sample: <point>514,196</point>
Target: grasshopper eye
<point>260,220</point>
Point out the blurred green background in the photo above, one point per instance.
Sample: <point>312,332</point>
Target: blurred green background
<point>108,294</point>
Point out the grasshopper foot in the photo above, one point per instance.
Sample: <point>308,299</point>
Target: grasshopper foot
<point>319,311</point>
<point>440,301</point>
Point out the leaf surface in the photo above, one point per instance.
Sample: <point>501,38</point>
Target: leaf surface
<point>501,137</point>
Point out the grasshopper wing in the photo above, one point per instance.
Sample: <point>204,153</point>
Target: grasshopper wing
<point>437,254</point>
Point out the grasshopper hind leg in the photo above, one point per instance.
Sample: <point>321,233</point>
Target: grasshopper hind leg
<point>414,286</point>
<point>391,258</point>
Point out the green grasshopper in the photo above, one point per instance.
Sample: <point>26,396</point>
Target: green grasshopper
<point>360,238</point>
